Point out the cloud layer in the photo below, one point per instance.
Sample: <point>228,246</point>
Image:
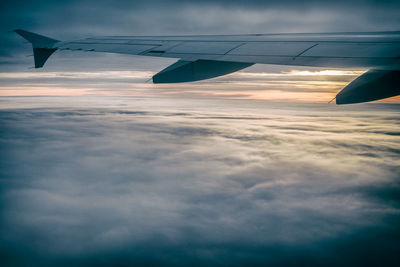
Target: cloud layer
<point>125,180</point>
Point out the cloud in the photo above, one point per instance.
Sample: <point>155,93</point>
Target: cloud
<point>133,181</point>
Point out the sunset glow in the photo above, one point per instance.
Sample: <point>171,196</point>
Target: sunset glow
<point>295,85</point>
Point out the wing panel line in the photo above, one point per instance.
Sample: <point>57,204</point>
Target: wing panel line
<point>305,50</point>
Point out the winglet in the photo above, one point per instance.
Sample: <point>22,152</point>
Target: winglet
<point>37,40</point>
<point>42,46</point>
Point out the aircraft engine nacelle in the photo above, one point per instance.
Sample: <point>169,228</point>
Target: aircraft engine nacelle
<point>372,85</point>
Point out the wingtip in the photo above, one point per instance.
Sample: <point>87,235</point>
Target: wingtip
<point>20,32</point>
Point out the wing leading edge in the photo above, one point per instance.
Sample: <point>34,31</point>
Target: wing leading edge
<point>208,56</point>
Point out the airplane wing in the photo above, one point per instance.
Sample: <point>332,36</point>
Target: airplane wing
<point>208,56</point>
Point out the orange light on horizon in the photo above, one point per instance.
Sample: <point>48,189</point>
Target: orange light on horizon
<point>291,85</point>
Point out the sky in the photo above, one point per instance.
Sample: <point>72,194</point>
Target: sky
<point>99,167</point>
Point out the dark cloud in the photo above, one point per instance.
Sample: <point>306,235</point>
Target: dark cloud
<point>90,181</point>
<point>73,18</point>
